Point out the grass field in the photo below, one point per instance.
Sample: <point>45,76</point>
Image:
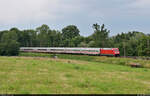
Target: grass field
<point>44,75</point>
<point>100,59</point>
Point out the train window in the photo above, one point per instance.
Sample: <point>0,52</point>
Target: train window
<point>53,49</point>
<point>92,50</point>
<point>75,50</point>
<point>27,49</point>
<point>42,49</point>
<point>61,50</point>
<point>116,50</point>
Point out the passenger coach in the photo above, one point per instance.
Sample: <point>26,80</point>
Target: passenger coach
<point>87,51</point>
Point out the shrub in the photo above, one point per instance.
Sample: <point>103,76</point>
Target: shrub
<point>9,48</point>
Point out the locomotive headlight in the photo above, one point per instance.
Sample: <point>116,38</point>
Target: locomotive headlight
<point>117,52</point>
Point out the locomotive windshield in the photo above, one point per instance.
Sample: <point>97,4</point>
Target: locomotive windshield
<point>116,50</point>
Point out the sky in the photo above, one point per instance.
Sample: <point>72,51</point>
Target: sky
<point>117,15</point>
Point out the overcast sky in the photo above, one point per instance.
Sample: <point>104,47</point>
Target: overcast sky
<point>118,15</point>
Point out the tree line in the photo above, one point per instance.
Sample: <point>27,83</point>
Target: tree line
<point>130,44</point>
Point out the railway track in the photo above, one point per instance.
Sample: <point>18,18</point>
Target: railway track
<point>133,57</point>
<point>136,57</point>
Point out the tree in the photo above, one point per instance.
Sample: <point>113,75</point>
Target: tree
<point>27,38</point>
<point>9,45</point>
<point>42,35</point>
<point>9,49</point>
<point>8,36</point>
<point>128,43</point>
<point>91,44</point>
<point>1,34</point>
<point>77,40</point>
<point>70,32</point>
<point>55,38</point>
<point>96,27</point>
<point>100,36</point>
<point>83,44</point>
<point>143,46</point>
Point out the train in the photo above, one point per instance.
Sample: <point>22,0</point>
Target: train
<point>86,51</point>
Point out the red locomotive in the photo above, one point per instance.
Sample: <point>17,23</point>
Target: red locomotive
<point>110,51</point>
<point>87,51</point>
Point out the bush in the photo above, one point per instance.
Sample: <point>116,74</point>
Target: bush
<point>9,48</point>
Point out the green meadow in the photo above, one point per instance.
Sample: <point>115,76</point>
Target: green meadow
<point>32,73</point>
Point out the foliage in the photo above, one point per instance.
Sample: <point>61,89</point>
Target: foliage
<point>100,35</point>
<point>9,45</point>
<point>144,46</point>
<point>129,43</point>
<point>70,32</point>
<point>132,43</point>
<point>9,49</point>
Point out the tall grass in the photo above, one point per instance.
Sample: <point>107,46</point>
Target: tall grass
<point>102,59</point>
<point>30,75</point>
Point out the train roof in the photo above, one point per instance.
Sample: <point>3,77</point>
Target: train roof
<point>58,48</point>
<point>81,48</point>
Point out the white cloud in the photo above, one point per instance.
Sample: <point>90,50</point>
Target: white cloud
<point>18,11</point>
<point>141,4</point>
<point>83,13</point>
